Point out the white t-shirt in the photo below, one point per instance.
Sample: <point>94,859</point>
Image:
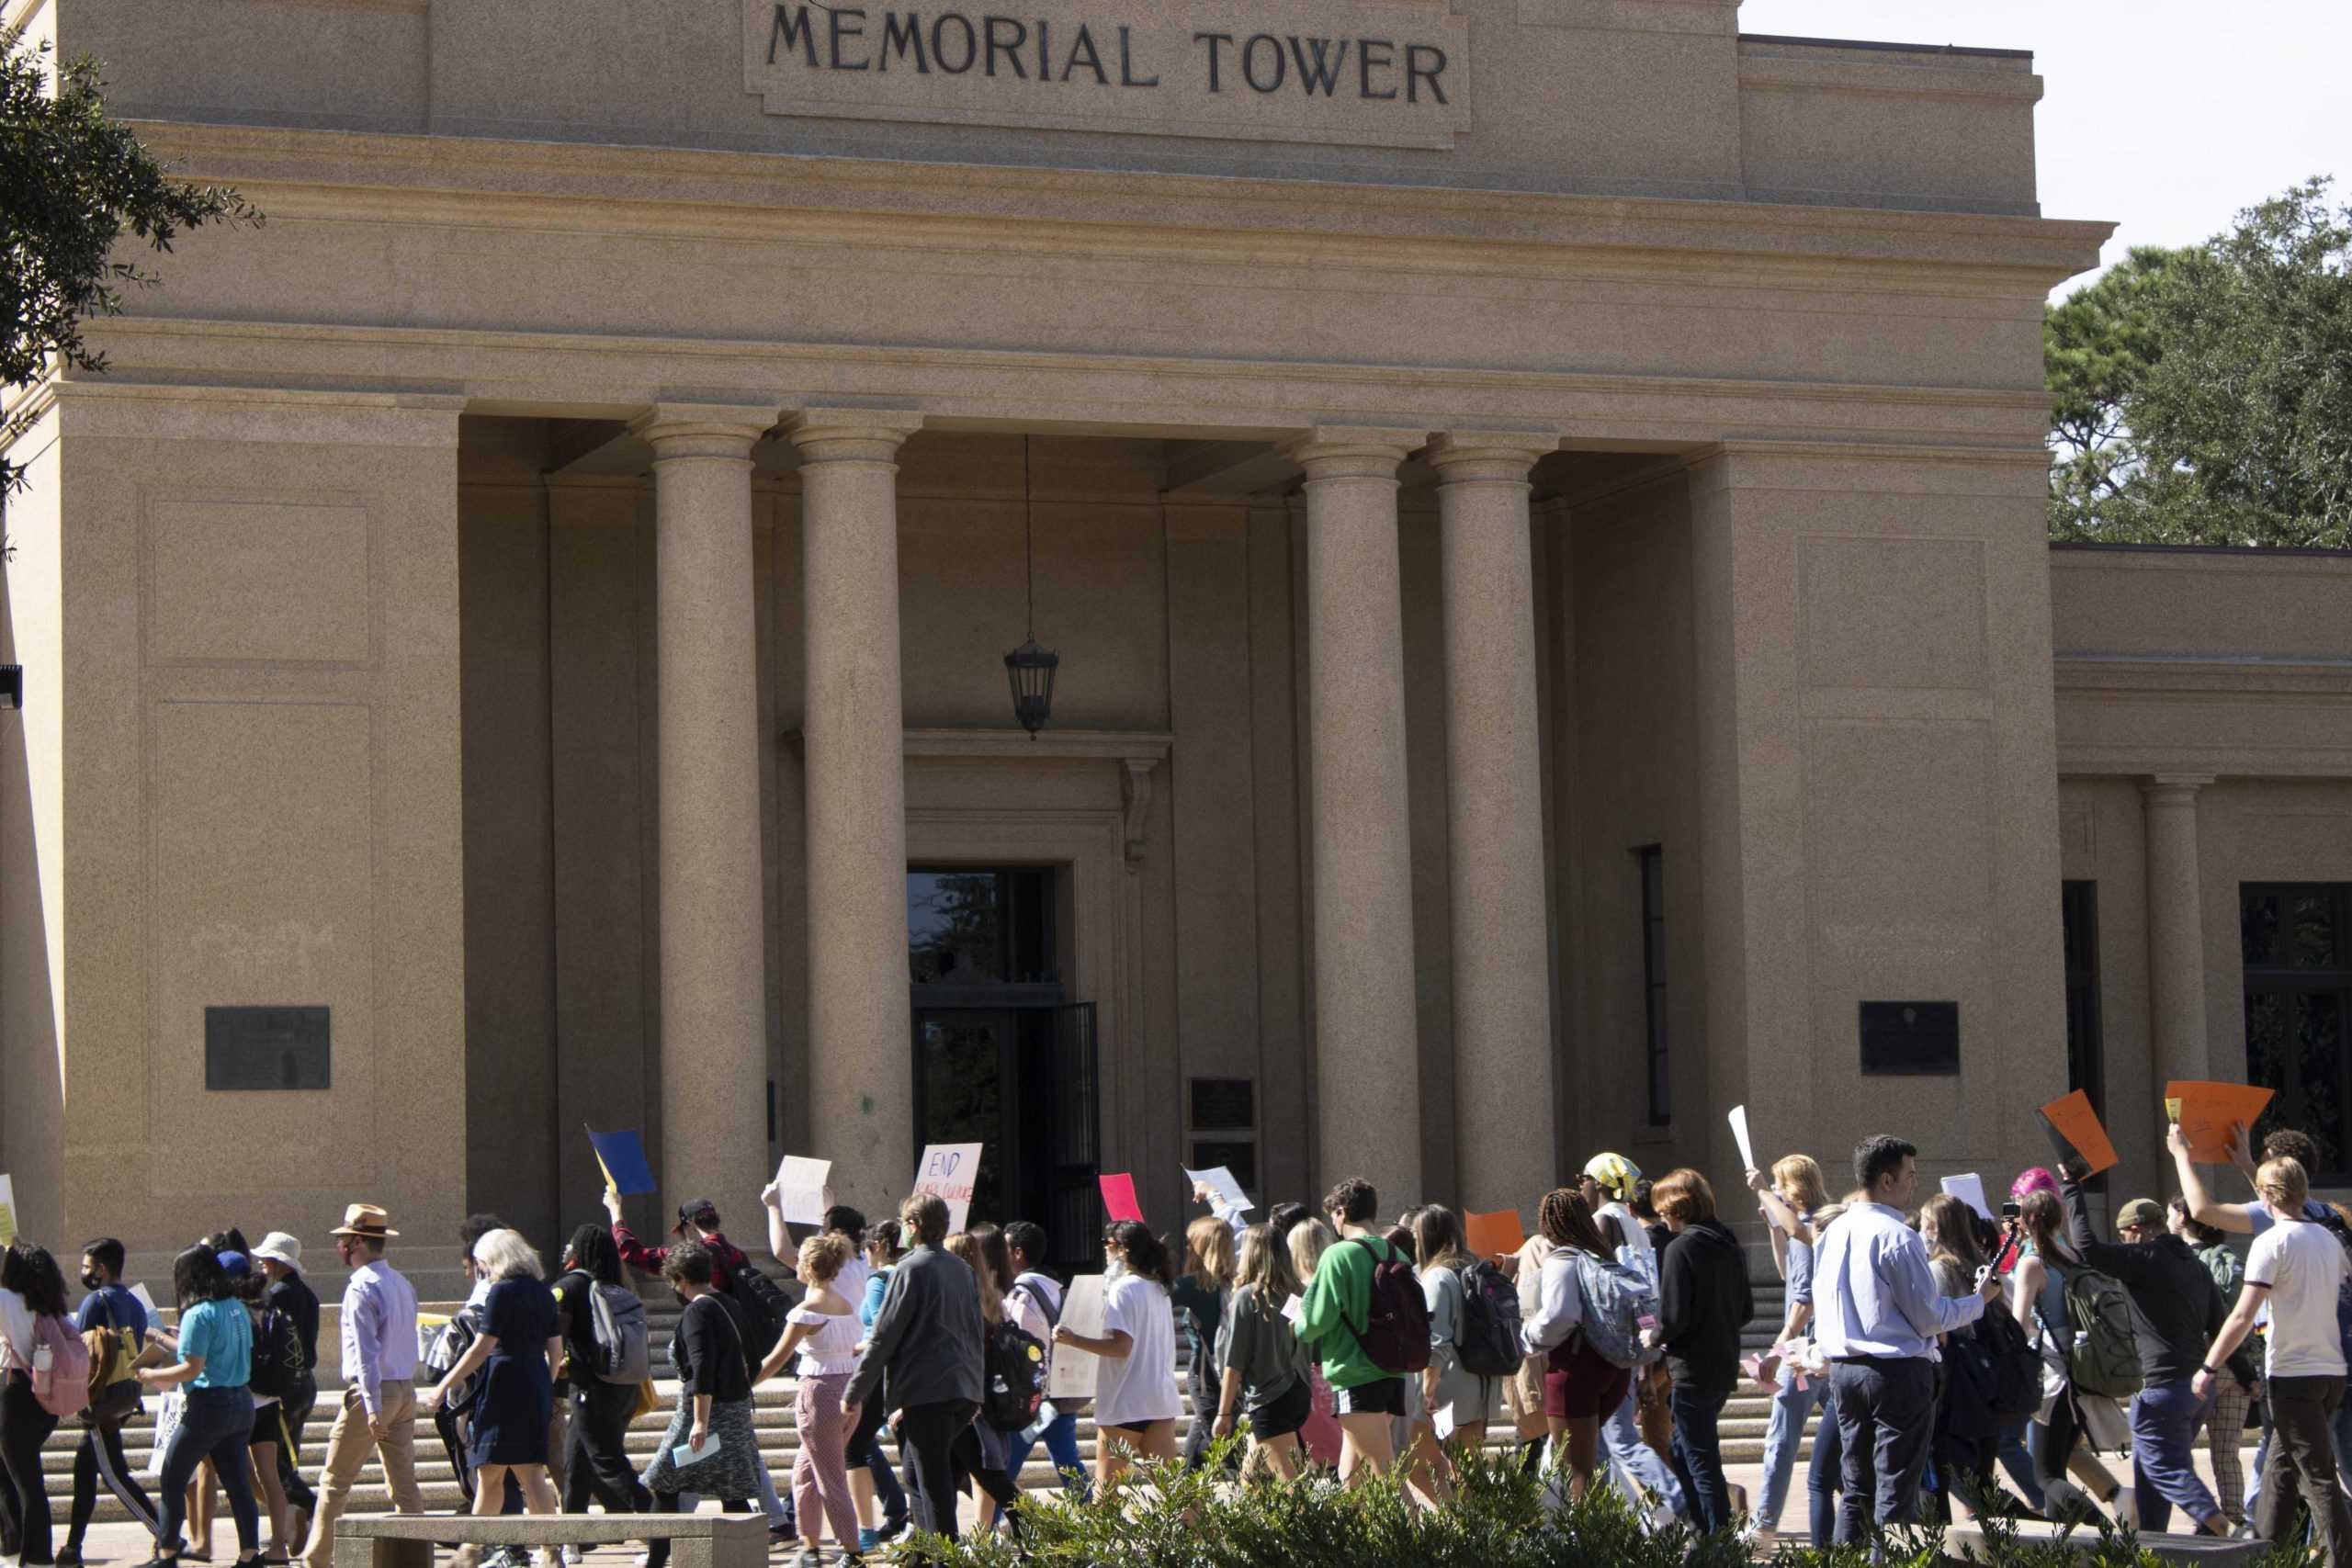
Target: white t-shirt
<point>1143,1386</point>
<point>2303,1266</point>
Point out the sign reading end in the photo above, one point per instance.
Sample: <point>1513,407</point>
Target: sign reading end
<point>1334,71</point>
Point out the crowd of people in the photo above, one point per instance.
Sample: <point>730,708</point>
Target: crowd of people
<point>1937,1346</point>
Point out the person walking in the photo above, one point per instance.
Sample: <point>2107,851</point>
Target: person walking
<point>214,1369</point>
<point>517,1352</point>
<point>32,1307</point>
<point>2177,1309</point>
<point>981,1450</point>
<point>1789,1200</point>
<point>1879,1314</point>
<point>2235,1392</point>
<point>1580,1386</point>
<point>1365,1395</point>
<point>1040,1295</point>
<point>596,1463</point>
<point>1201,1294</point>
<point>1966,1440</point>
<point>1263,1365</point>
<point>1135,1404</point>
<point>924,1358</point>
<point>1637,1454</point>
<point>378,1408</point>
<point>712,1424</point>
<point>2295,1268</point>
<point>871,1474</point>
<point>1703,1302</point>
<point>113,1311</point>
<point>1823,1474</point>
<point>279,1257</point>
<point>2060,1436</point>
<point>1461,1403</point>
<point>822,1333</point>
<point>276,1346</point>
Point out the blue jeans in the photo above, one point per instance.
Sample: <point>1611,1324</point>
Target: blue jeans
<point>2017,1460</point>
<point>2165,1417</point>
<point>1060,1436</point>
<point>1821,1478</point>
<point>218,1426</point>
<point>1637,1467</point>
<point>1791,1407</point>
<point>1886,1415</point>
<point>1698,1454</point>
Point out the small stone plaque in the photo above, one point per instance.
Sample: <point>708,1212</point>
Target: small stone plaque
<point>1911,1039</point>
<point>266,1047</point>
<point>1224,1105</point>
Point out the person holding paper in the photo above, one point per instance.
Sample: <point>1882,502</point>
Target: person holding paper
<point>1201,1294</point>
<point>2296,1269</point>
<point>711,1448</point>
<point>1878,1312</point>
<point>1264,1366</point>
<point>2175,1311</point>
<point>1966,1442</point>
<point>822,1332</point>
<point>699,1224</point>
<point>1136,1404</point>
<point>1788,1201</point>
<point>926,1355</point>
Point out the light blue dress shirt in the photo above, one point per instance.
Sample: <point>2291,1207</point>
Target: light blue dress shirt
<point>1873,1293</point>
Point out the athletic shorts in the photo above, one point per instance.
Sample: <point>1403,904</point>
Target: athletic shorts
<point>1283,1415</point>
<point>1579,1383</point>
<point>1382,1396</point>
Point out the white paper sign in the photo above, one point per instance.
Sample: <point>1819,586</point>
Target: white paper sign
<point>1739,1135</point>
<point>147,1302</point>
<point>950,1171</point>
<point>800,1189</point>
<point>1221,1184</point>
<point>8,1211</point>
<point>1072,1376</point>
<point>1969,1189</point>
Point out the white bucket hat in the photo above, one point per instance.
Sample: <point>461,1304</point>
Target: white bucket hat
<point>282,1249</point>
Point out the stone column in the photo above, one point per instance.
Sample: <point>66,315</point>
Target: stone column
<point>1367,1044</point>
<point>2176,929</point>
<point>714,974</point>
<point>1502,988</point>
<point>861,1056</point>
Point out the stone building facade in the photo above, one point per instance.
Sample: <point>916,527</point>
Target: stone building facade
<point>1538,503</point>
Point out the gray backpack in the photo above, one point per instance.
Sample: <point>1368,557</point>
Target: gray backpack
<point>1616,1299</point>
<point>619,1330</point>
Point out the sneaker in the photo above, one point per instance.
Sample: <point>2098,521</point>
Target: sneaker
<point>808,1557</point>
<point>574,1554</point>
<point>867,1539</point>
<point>1761,1537</point>
<point>2065,1502</point>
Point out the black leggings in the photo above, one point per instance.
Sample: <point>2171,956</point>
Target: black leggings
<point>100,1456</point>
<point>927,1435</point>
<point>23,1499</point>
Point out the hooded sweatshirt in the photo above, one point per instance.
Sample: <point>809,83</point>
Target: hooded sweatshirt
<point>1703,1302</point>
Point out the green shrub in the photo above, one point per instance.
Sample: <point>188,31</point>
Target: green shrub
<point>1164,1518</point>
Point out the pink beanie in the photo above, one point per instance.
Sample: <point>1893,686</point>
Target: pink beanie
<point>2038,1180</point>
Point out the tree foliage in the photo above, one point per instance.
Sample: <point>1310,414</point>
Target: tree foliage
<point>73,182</point>
<point>2204,396</point>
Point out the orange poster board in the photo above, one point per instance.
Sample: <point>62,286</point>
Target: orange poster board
<point>2078,1125</point>
<point>1493,1235</point>
<point>2208,1111</point>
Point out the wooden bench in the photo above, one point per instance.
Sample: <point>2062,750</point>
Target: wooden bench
<point>406,1541</point>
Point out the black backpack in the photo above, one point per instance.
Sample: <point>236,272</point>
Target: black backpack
<point>1014,1377</point>
<point>1488,1338</point>
<point>2014,1390</point>
<point>277,1356</point>
<point>1396,1332</point>
<point>763,1307</point>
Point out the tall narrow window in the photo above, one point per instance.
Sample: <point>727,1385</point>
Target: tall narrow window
<point>2084,1060</point>
<point>2295,938</point>
<point>1653,863</point>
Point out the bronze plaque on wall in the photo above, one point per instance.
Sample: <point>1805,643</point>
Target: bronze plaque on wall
<point>266,1047</point>
<point>1916,1039</point>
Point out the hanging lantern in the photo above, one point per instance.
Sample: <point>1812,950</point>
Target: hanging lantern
<point>1029,667</point>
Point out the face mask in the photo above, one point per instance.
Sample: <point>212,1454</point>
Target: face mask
<point>93,1280</point>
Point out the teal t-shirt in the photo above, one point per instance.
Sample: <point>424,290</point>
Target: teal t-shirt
<point>222,1333</point>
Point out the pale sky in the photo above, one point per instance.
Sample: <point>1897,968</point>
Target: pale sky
<point>2164,117</point>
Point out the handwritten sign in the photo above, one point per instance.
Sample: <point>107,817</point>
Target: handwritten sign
<point>800,1189</point>
<point>2077,1124</point>
<point>1072,1374</point>
<point>949,1172</point>
<point>1119,1198</point>
<point>2208,1111</point>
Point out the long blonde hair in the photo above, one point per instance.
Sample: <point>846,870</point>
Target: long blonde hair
<point>1798,1179</point>
<point>1264,1266</point>
<point>1208,1251</point>
<point>966,1246</point>
<point>1309,1239</point>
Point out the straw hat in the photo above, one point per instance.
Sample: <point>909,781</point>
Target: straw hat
<point>366,1222</point>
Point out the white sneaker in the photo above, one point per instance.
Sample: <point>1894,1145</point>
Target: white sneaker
<point>1762,1537</point>
<point>2063,1500</point>
<point>572,1554</point>
<point>2126,1507</point>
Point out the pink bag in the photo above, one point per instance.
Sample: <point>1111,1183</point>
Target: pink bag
<point>60,1368</point>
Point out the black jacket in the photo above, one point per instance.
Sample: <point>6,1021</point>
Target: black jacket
<point>2175,1307</point>
<point>707,1351</point>
<point>1703,1302</point>
<point>293,1296</point>
<point>926,1346</point>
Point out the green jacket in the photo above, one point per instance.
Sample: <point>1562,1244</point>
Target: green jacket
<point>1338,1299</point>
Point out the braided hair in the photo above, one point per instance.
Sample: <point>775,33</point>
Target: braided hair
<point>1564,1220</point>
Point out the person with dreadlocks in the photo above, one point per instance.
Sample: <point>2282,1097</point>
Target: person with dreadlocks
<point>1579,1386</point>
<point>1640,1468</point>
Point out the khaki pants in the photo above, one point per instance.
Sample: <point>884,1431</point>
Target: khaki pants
<point>347,1446</point>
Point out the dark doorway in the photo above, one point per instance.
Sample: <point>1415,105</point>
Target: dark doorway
<point>1003,1057</point>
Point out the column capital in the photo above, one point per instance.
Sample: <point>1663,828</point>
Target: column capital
<point>830,434</point>
<point>1354,451</point>
<point>704,430</point>
<point>2172,789</point>
<point>1490,457</point>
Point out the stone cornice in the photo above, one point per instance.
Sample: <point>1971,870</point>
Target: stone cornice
<point>388,178</point>
<point>1050,744</point>
<point>2124,675</point>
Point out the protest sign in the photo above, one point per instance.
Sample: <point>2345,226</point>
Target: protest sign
<point>621,1156</point>
<point>8,1211</point>
<point>1119,1197</point>
<point>1222,1185</point>
<point>1072,1374</point>
<point>949,1172</point>
<point>1493,1235</point>
<point>146,1302</point>
<point>2077,1124</point>
<point>2208,1111</point>
<point>1969,1189</point>
<point>1739,1135</point>
<point>800,1189</point>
